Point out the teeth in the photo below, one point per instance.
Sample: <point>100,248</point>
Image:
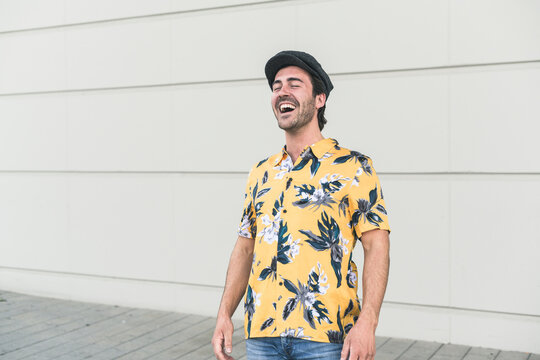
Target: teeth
<point>286,106</point>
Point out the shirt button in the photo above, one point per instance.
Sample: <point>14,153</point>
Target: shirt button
<point>281,283</point>
<point>284,210</point>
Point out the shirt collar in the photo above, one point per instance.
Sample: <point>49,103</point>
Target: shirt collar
<point>318,149</point>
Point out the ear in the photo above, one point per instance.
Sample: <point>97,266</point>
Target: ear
<point>320,100</point>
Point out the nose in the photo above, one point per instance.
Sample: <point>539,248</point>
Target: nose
<point>284,90</point>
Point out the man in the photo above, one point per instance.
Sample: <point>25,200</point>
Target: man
<point>305,207</point>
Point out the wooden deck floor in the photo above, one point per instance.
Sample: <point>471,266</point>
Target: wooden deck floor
<point>35,328</point>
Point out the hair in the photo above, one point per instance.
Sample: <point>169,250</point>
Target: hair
<point>318,88</point>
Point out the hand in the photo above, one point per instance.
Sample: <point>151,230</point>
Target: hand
<point>222,339</point>
<point>360,342</point>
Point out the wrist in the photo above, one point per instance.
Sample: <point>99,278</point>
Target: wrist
<point>223,312</point>
<point>223,315</point>
<point>369,318</point>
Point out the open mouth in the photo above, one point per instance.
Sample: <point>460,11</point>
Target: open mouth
<point>286,108</point>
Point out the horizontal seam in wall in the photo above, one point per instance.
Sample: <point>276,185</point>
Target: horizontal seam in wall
<point>221,287</point>
<point>109,277</point>
<point>408,173</point>
<point>434,69</point>
<point>145,16</point>
<point>441,307</point>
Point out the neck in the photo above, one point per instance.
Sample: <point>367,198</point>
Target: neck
<point>297,141</point>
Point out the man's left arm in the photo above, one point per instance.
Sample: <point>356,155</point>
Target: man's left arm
<point>360,342</point>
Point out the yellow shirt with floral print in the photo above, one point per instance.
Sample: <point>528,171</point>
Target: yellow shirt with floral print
<point>305,219</point>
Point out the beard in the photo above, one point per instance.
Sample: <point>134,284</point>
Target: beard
<point>305,114</point>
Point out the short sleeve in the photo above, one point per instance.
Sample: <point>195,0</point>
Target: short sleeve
<point>246,228</point>
<point>366,200</point>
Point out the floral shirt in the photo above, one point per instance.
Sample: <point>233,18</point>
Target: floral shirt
<point>305,219</point>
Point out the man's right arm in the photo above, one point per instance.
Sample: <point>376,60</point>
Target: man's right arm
<point>235,286</point>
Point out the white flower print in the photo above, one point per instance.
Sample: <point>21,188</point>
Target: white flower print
<point>253,263</point>
<point>309,300</point>
<point>315,197</point>
<point>288,333</point>
<point>351,277</point>
<point>296,333</point>
<point>319,196</point>
<point>245,226</point>
<point>355,181</point>
<point>256,298</point>
<point>294,247</point>
<point>326,155</point>
<point>305,297</point>
<point>285,166</point>
<point>271,229</point>
<point>323,279</point>
<point>343,242</point>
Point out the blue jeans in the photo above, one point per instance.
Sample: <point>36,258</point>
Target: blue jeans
<point>289,348</point>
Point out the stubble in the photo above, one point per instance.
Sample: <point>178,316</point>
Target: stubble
<point>307,111</point>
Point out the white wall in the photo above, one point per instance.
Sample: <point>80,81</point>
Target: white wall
<point>127,129</point>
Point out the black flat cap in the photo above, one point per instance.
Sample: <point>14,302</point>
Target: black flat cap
<point>302,60</point>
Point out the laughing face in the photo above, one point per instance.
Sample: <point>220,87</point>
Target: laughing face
<point>293,102</point>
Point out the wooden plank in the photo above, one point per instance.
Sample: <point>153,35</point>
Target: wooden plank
<point>14,311</point>
<point>167,338</point>
<point>56,324</point>
<point>10,295</point>
<point>147,334</point>
<point>477,353</point>
<point>49,338</point>
<point>21,328</point>
<point>393,348</point>
<point>156,323</point>
<point>512,355</point>
<point>36,328</point>
<point>380,341</point>
<point>186,347</point>
<point>10,304</point>
<point>124,333</point>
<point>451,352</point>
<point>46,309</point>
<point>78,341</point>
<point>420,350</point>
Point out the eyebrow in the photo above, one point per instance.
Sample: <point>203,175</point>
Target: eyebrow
<point>288,80</point>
